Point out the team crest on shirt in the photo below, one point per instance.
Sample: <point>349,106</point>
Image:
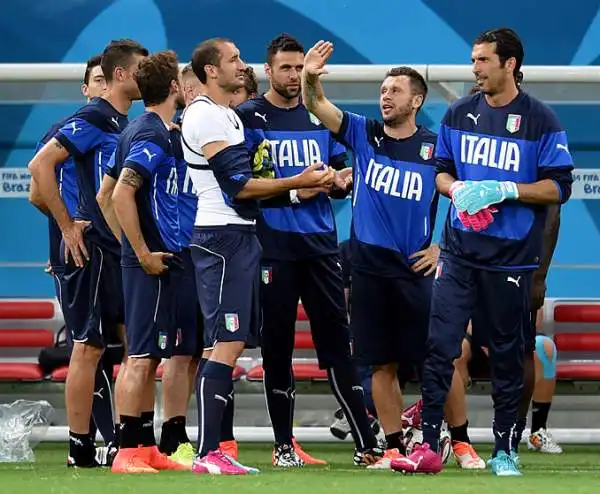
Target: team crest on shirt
<point>426,151</point>
<point>513,123</point>
<point>267,275</point>
<point>232,322</point>
<point>162,340</point>
<point>314,119</point>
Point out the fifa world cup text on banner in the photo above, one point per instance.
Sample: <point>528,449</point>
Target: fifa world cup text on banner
<point>586,184</point>
<point>14,183</point>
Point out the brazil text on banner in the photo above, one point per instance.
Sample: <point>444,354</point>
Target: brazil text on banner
<point>586,183</point>
<point>14,183</point>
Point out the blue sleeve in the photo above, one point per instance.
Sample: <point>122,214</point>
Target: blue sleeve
<point>353,131</point>
<point>443,148</point>
<point>252,138</point>
<point>111,167</point>
<point>143,157</point>
<point>231,167</point>
<point>78,135</point>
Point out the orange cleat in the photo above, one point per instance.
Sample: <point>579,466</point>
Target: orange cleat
<point>160,461</point>
<point>230,448</point>
<point>131,460</point>
<point>304,456</point>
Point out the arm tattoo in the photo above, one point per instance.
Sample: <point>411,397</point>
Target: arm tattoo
<point>131,177</point>
<point>58,144</point>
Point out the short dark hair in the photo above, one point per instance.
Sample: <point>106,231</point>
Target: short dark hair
<point>207,53</point>
<point>417,81</point>
<point>283,42</point>
<point>508,45</point>
<point>118,54</point>
<point>250,81</point>
<point>154,76</point>
<point>89,65</point>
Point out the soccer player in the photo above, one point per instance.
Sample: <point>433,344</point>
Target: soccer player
<point>250,89</point>
<point>225,250</point>
<point>502,158</point>
<point>300,256</point>
<point>394,207</point>
<point>102,413</point>
<point>91,288</point>
<point>146,204</point>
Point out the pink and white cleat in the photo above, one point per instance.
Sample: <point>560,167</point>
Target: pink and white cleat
<point>422,460</point>
<point>216,463</point>
<point>411,417</point>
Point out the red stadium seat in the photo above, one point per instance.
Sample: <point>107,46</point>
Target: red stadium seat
<point>578,371</point>
<point>302,372</point>
<point>26,338</point>
<point>20,371</point>
<point>238,372</point>
<point>577,342</point>
<point>577,313</point>
<point>59,375</point>
<point>301,314</point>
<point>21,309</point>
<point>303,341</point>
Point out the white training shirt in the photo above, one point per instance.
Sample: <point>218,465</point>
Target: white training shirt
<point>204,122</point>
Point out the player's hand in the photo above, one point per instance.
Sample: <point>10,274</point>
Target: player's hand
<point>343,179</point>
<point>48,269</point>
<point>262,162</point>
<point>316,175</point>
<point>475,196</point>
<point>174,126</point>
<point>153,263</point>
<point>478,221</point>
<point>74,243</point>
<point>316,58</point>
<point>305,194</point>
<point>428,259</point>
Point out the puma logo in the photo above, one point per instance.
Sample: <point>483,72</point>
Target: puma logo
<point>378,141</point>
<point>473,117</point>
<point>261,116</point>
<point>149,154</point>
<point>516,280</point>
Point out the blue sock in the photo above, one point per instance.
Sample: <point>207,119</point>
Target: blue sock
<point>213,387</point>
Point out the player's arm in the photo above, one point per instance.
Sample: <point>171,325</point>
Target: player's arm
<point>42,169</point>
<point>445,167</point>
<point>549,241</point>
<point>232,169</point>
<point>104,197</point>
<point>35,198</point>
<point>313,95</point>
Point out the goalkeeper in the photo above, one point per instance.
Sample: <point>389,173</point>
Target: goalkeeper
<point>498,150</point>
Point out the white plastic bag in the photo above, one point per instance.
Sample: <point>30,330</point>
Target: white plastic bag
<point>18,420</point>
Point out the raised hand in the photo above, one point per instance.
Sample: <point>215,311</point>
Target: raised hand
<point>316,58</point>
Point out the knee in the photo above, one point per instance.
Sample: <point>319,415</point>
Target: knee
<point>141,369</point>
<point>178,364</point>
<point>386,371</point>
<point>545,353</point>
<point>83,352</point>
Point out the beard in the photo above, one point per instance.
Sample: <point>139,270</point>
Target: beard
<point>399,117</point>
<point>284,92</point>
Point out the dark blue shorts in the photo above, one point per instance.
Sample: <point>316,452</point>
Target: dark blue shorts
<point>149,315</point>
<point>227,266</point>
<point>390,319</point>
<point>92,297</point>
<point>481,335</point>
<point>188,337</point>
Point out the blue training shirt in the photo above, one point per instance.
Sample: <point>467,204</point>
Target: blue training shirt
<point>521,142</point>
<point>145,146</point>
<point>67,186</point>
<point>90,136</point>
<point>394,198</point>
<point>187,198</point>
<point>293,231</point>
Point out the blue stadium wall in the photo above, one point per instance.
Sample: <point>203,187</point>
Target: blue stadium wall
<point>380,31</point>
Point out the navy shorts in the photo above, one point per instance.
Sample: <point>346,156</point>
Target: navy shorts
<point>390,319</point>
<point>227,266</point>
<point>188,324</point>
<point>149,315</point>
<point>92,297</point>
<point>481,336</point>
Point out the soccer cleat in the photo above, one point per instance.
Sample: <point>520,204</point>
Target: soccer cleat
<point>466,457</point>
<point>285,456</point>
<point>216,463</point>
<point>543,442</point>
<point>105,455</point>
<point>421,460</point>
<point>159,460</point>
<point>230,448</point>
<point>304,456</point>
<point>367,457</point>
<point>411,417</point>
<point>184,455</point>
<point>340,428</point>
<point>132,460</point>
<point>504,465</point>
<point>385,462</point>
<point>238,464</point>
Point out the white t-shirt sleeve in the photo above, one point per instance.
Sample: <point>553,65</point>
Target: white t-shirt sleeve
<point>203,123</point>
